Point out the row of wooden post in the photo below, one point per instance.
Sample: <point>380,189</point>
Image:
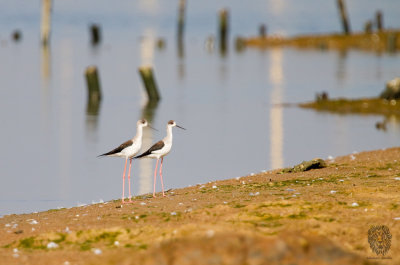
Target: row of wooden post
<point>94,88</point>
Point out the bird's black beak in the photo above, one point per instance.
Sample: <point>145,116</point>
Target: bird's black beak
<point>180,127</point>
<point>148,125</point>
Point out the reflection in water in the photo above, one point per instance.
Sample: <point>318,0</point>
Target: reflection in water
<point>45,67</point>
<point>66,126</point>
<point>45,63</point>
<point>341,70</point>
<point>148,112</point>
<point>276,114</point>
<point>93,100</point>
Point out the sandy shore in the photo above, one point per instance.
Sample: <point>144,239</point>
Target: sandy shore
<point>321,216</point>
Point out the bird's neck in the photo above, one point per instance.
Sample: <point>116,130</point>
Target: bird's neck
<point>139,133</point>
<point>168,138</point>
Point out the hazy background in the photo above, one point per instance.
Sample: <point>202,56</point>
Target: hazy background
<point>49,144</point>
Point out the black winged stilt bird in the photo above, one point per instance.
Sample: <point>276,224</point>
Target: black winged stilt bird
<point>128,150</point>
<point>159,150</point>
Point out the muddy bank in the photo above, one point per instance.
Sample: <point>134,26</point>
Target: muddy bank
<point>322,215</point>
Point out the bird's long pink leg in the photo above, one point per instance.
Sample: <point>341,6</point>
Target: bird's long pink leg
<point>155,175</point>
<point>162,182</point>
<point>129,179</point>
<point>123,182</point>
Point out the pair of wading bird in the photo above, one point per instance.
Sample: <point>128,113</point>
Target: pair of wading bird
<point>130,148</point>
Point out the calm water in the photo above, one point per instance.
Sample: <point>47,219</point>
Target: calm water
<point>227,103</point>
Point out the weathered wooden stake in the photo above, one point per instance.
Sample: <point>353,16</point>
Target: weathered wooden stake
<point>16,35</point>
<point>94,91</point>
<point>344,18</point>
<point>368,27</point>
<point>181,19</point>
<point>95,31</point>
<point>379,19</point>
<point>146,72</point>
<point>93,84</point>
<point>223,29</point>
<point>262,30</point>
<point>46,21</point>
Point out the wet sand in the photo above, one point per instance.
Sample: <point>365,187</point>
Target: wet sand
<point>321,216</point>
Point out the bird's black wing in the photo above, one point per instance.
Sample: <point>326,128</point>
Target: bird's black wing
<point>119,148</point>
<point>155,147</point>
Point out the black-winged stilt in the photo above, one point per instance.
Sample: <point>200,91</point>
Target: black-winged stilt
<point>128,150</point>
<point>159,150</point>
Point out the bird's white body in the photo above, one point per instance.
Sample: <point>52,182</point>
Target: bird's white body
<point>158,151</point>
<point>134,148</point>
<point>128,150</point>
<point>166,148</point>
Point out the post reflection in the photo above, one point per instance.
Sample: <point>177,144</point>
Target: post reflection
<point>276,114</point>
<point>45,66</point>
<point>148,112</point>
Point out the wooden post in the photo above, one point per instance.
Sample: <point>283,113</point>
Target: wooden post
<point>263,31</point>
<point>181,18</point>
<point>223,29</point>
<point>95,31</point>
<point>146,72</point>
<point>181,26</point>
<point>94,91</point>
<point>16,35</point>
<point>93,83</point>
<point>344,18</point>
<point>368,27</point>
<point>46,21</point>
<point>379,23</point>
<point>240,44</point>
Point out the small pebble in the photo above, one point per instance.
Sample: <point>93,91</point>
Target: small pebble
<point>97,251</point>
<point>333,191</point>
<point>210,233</point>
<point>396,178</point>
<point>52,245</point>
<point>214,187</point>
<point>354,204</point>
<point>32,221</point>
<point>142,203</point>
<point>397,218</point>
<point>173,213</point>
<point>116,243</point>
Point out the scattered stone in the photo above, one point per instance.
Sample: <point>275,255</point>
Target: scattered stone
<point>52,245</point>
<point>354,204</point>
<point>97,251</point>
<point>32,221</point>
